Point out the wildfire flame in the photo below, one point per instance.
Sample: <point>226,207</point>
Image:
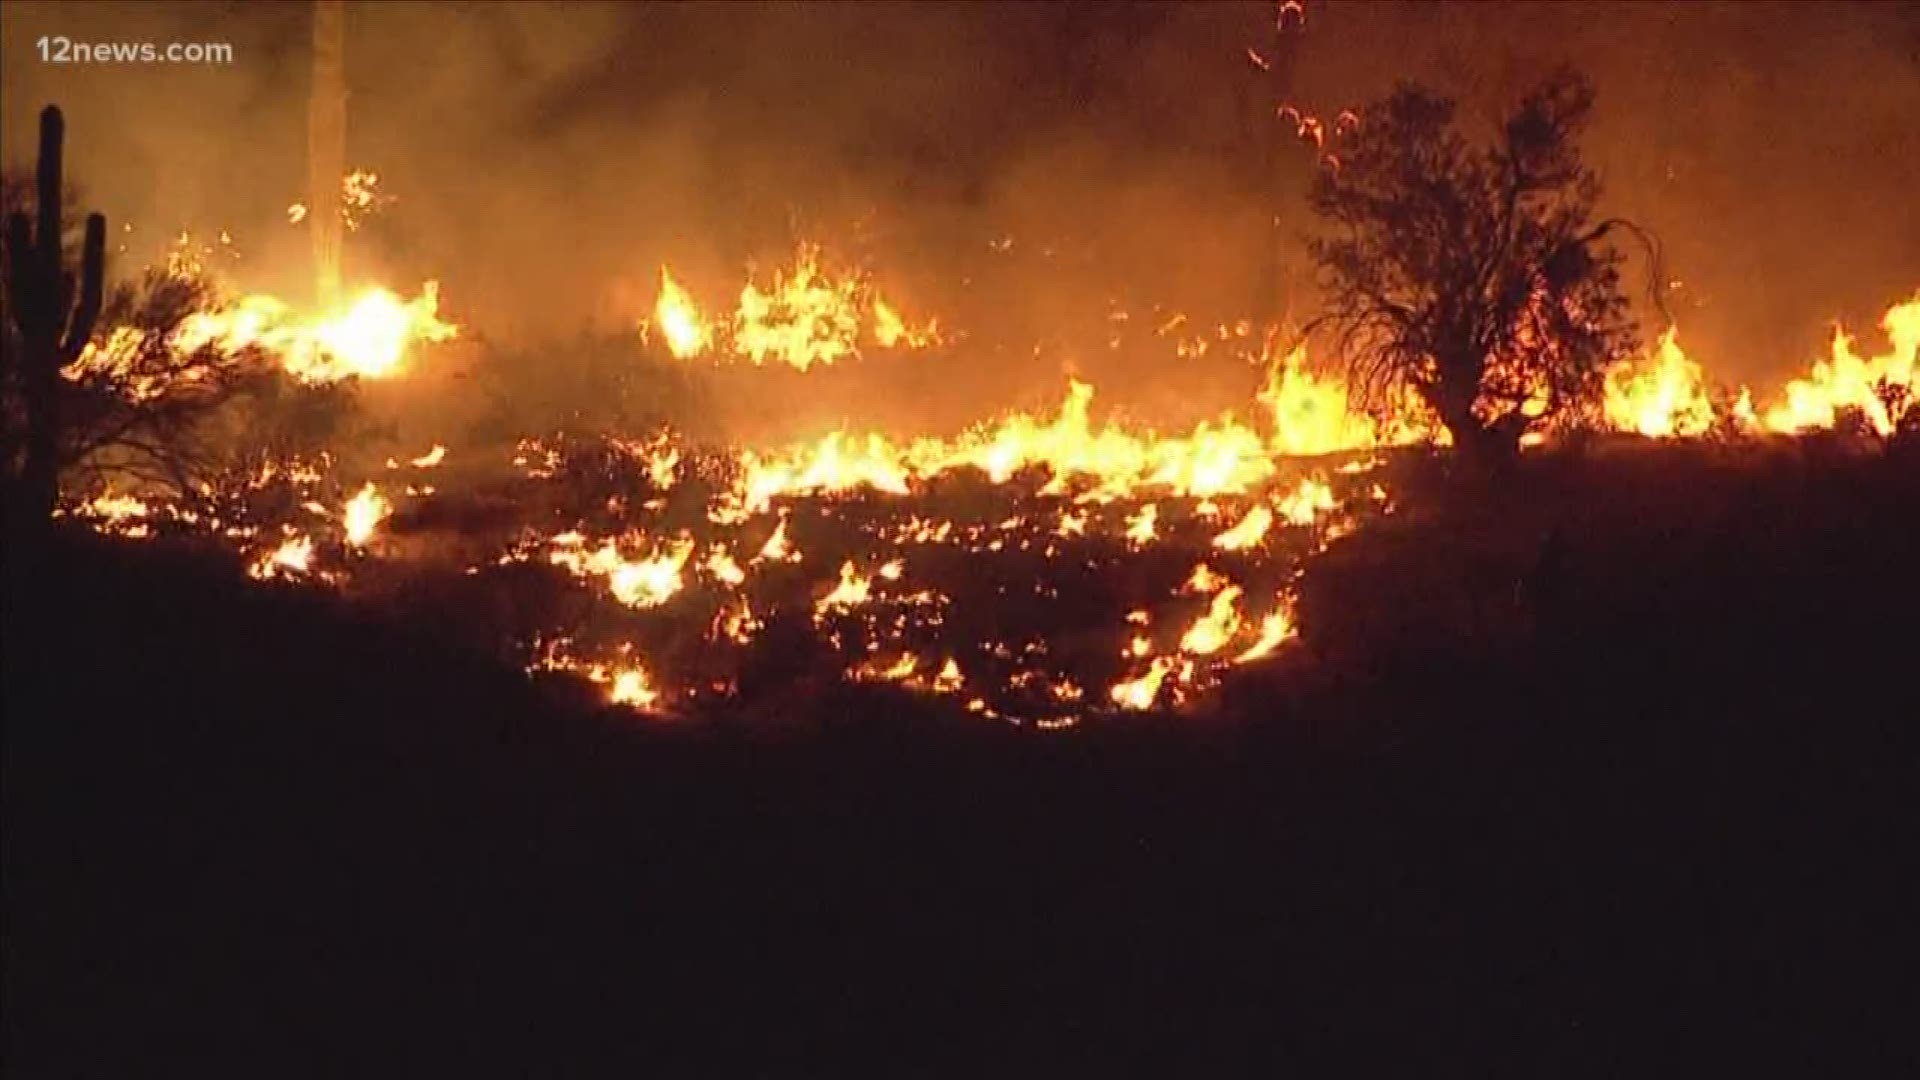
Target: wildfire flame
<point>805,317</point>
<point>1077,491</point>
<point>1661,399</point>
<point>892,331</point>
<point>370,338</point>
<point>1847,381</point>
<point>363,514</point>
<point>678,320</point>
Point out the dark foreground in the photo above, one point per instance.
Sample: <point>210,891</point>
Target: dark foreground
<point>1661,820</point>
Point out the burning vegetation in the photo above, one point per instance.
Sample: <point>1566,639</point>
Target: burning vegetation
<point>1039,567</point>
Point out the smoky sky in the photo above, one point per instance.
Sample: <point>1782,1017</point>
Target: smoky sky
<point>547,158</point>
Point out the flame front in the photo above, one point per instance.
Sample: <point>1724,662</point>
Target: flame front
<point>1847,381</point>
<point>1198,535</point>
<point>370,339</point>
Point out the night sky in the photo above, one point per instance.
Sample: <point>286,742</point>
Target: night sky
<point>547,158</point>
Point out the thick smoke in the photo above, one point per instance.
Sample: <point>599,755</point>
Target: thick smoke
<point>548,158</point>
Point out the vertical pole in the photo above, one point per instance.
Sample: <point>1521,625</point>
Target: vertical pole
<point>327,147</point>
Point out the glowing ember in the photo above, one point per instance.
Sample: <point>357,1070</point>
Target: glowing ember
<point>949,680</point>
<point>360,196</point>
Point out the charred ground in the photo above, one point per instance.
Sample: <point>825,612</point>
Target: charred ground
<point>1612,762</point>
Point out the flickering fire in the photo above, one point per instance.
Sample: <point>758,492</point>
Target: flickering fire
<point>293,556</point>
<point>363,514</point>
<point>630,686</point>
<point>1312,415</point>
<point>1848,381</point>
<point>803,318</point>
<point>1054,496</point>
<point>1275,630</point>
<point>641,583</point>
<point>1141,692</point>
<point>1250,531</point>
<point>678,320</point>
<point>1661,399</point>
<point>1666,396</point>
<point>370,338</point>
<point>1211,632</point>
<point>890,329</point>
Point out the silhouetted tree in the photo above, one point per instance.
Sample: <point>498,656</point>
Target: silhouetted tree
<point>1474,277</point>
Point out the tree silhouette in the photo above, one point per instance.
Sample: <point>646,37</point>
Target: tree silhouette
<point>1474,277</point>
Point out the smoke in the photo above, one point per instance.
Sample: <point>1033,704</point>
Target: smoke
<point>548,158</point>
<point>1771,146</point>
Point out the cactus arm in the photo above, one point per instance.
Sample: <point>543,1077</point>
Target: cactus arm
<point>93,260</point>
<point>47,242</point>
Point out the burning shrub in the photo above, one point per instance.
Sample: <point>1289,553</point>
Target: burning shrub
<point>1476,279</point>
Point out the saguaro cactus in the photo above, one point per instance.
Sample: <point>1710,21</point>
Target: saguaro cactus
<point>53,329</point>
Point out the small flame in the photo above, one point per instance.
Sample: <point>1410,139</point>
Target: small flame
<point>1275,629</point>
<point>1141,692</point>
<point>364,513</point>
<point>1248,533</point>
<point>1211,632</point>
<point>678,320</point>
<point>892,331</point>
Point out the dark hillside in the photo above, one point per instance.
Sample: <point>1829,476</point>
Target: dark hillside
<point>1554,807</point>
